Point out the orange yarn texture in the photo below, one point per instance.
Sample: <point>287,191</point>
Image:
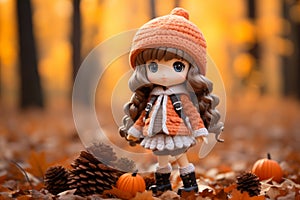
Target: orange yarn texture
<point>174,31</point>
<point>174,123</point>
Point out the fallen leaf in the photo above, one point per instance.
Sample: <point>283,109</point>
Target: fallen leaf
<point>297,193</point>
<point>39,195</point>
<point>4,189</point>
<point>206,188</point>
<point>21,193</point>
<point>14,172</point>
<point>188,195</point>
<point>118,193</point>
<point>207,193</point>
<point>230,188</point>
<point>24,197</point>
<point>5,195</point>
<point>221,195</point>
<point>237,195</point>
<point>3,177</point>
<point>169,195</point>
<point>147,195</point>
<point>38,164</point>
<point>273,192</point>
<point>11,185</point>
<point>223,168</point>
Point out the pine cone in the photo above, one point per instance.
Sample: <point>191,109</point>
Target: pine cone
<point>90,176</point>
<point>56,179</point>
<point>248,182</point>
<point>103,153</point>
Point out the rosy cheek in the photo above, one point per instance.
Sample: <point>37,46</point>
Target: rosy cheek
<point>152,78</point>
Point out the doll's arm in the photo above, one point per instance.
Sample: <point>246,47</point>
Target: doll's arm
<point>194,117</point>
<point>135,131</point>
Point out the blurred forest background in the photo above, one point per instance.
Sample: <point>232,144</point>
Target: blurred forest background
<point>255,44</point>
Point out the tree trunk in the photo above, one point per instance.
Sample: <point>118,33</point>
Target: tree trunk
<point>291,70</point>
<point>76,37</point>
<point>0,81</point>
<point>30,86</point>
<point>176,3</point>
<point>152,9</point>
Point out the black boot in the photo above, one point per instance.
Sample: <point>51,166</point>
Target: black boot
<point>162,183</point>
<point>189,183</point>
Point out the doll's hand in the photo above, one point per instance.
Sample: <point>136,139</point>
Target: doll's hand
<point>202,139</point>
<point>132,138</point>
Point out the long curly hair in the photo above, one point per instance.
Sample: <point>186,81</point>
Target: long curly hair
<point>198,85</point>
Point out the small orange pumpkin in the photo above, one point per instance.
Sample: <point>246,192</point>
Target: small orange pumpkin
<point>266,168</point>
<point>132,183</point>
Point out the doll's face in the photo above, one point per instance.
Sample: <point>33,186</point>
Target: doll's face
<point>167,73</point>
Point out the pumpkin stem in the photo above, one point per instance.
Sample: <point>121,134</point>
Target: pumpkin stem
<point>134,173</point>
<point>269,156</point>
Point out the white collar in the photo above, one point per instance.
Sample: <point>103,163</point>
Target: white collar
<point>175,89</point>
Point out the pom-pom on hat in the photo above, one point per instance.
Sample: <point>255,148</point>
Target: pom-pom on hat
<point>174,31</point>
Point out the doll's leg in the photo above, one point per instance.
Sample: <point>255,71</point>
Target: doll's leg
<point>163,161</point>
<point>162,175</point>
<point>187,174</point>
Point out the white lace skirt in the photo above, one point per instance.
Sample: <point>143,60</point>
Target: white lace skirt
<point>162,144</point>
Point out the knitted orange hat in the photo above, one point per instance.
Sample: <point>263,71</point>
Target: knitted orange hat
<point>174,31</point>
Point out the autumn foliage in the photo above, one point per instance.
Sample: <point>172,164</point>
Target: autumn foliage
<point>33,141</point>
<point>259,119</point>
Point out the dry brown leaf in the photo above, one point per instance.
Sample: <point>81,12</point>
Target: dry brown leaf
<point>4,189</point>
<point>223,168</point>
<point>147,195</point>
<point>203,187</point>
<point>11,184</point>
<point>24,197</point>
<point>38,164</point>
<point>207,193</point>
<point>3,196</point>
<point>275,192</point>
<point>3,178</point>
<point>39,195</point>
<point>188,195</point>
<point>289,183</point>
<point>297,193</point>
<point>230,188</point>
<point>221,195</point>
<point>237,195</point>
<point>69,195</point>
<point>118,193</point>
<point>14,172</point>
<point>169,195</point>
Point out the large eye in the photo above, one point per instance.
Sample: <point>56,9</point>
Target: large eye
<point>153,67</point>
<point>178,66</point>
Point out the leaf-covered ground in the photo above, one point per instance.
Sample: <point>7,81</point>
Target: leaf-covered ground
<point>33,140</point>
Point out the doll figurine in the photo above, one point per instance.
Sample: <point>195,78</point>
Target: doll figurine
<point>172,107</point>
